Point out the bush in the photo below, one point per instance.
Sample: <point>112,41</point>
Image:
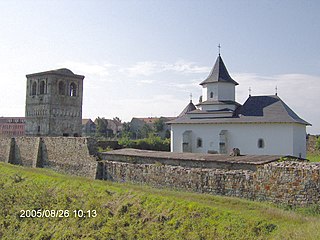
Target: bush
<point>151,143</point>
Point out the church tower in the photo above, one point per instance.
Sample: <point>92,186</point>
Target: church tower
<point>54,103</point>
<point>218,89</point>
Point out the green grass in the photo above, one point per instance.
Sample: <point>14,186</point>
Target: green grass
<point>126,211</point>
<point>313,157</point>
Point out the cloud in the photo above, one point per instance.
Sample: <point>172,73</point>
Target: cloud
<point>101,70</point>
<point>149,68</point>
<point>299,91</point>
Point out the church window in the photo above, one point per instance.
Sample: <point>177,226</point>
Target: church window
<point>260,143</point>
<point>211,94</point>
<point>34,89</point>
<point>199,143</point>
<point>62,88</point>
<point>73,90</point>
<point>42,87</point>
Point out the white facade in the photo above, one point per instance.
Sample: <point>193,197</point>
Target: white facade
<point>253,138</point>
<point>263,125</point>
<point>220,91</point>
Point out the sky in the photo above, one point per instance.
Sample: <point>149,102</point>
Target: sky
<point>145,58</point>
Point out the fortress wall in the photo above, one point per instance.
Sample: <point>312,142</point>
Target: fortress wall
<point>293,183</point>
<point>71,155</point>
<point>5,148</point>
<point>26,151</point>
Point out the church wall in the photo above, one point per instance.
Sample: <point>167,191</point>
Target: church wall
<point>277,138</point>
<point>299,140</point>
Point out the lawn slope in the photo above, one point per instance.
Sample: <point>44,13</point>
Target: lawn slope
<point>125,211</point>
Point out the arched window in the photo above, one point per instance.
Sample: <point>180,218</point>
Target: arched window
<point>62,88</point>
<point>199,143</point>
<point>42,87</point>
<point>34,89</point>
<point>260,143</point>
<point>211,95</point>
<point>73,90</point>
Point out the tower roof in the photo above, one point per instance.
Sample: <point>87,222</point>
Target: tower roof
<point>219,73</point>
<point>190,107</point>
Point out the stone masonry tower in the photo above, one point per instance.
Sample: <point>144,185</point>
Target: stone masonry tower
<point>54,103</point>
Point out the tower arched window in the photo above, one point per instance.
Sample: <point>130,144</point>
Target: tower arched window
<point>260,143</point>
<point>62,88</point>
<point>42,87</point>
<point>211,94</point>
<point>73,90</point>
<point>34,89</point>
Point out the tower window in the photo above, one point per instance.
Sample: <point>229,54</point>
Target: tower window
<point>199,143</point>
<point>62,88</point>
<point>73,90</point>
<point>211,94</point>
<point>42,87</point>
<point>260,143</point>
<point>34,89</point>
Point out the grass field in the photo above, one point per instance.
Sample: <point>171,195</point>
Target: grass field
<point>125,211</point>
<point>313,157</point>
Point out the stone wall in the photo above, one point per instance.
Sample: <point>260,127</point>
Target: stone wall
<point>26,150</point>
<point>5,148</point>
<point>293,183</point>
<point>76,156</point>
<point>70,155</point>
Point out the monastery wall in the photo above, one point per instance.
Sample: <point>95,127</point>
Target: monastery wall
<point>68,155</point>
<point>287,182</point>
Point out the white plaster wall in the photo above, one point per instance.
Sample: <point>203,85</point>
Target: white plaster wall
<point>299,140</point>
<point>278,138</point>
<point>221,91</point>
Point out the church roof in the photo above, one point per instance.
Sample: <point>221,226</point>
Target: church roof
<point>219,73</point>
<point>221,102</point>
<point>190,107</point>
<point>257,109</point>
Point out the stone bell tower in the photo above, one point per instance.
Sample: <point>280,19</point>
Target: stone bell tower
<point>54,103</point>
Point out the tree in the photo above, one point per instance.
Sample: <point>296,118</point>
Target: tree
<point>158,125</point>
<point>101,127</point>
<point>145,131</point>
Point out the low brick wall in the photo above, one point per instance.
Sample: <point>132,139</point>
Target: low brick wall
<point>293,183</point>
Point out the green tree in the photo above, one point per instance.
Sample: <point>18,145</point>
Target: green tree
<point>145,131</point>
<point>101,127</point>
<point>158,125</point>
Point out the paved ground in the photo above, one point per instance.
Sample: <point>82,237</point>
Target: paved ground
<point>222,158</point>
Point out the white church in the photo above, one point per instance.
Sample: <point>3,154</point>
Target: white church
<point>263,125</point>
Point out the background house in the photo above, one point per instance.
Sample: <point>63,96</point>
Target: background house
<point>12,126</point>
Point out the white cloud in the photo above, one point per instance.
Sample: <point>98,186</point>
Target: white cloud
<point>149,68</point>
<point>101,70</point>
<point>299,91</point>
